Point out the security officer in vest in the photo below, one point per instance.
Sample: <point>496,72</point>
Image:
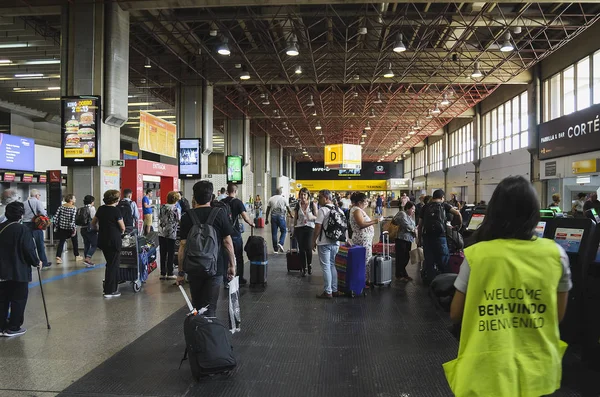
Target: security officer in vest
<point>511,294</point>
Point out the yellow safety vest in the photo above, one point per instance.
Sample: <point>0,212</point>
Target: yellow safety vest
<point>510,344</point>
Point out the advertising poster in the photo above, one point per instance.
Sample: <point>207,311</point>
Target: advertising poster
<point>80,130</point>
<point>189,158</point>
<point>569,239</point>
<point>234,169</point>
<point>17,153</point>
<point>157,136</point>
<point>110,180</point>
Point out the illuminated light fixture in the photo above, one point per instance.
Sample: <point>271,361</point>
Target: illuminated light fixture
<point>5,61</point>
<point>368,126</point>
<point>224,48</point>
<point>399,44</point>
<point>445,101</point>
<point>417,125</point>
<point>53,88</point>
<point>396,160</point>
<point>298,70</point>
<point>362,30</point>
<point>28,89</point>
<point>323,140</point>
<point>362,141</point>
<point>378,100</point>
<point>355,95</point>
<point>310,101</point>
<point>245,75</point>
<point>436,110</point>
<point>314,113</point>
<point>51,99</point>
<point>379,161</point>
<point>412,132</point>
<point>14,45</point>
<point>42,62</point>
<point>318,126</point>
<point>266,100</point>
<point>356,77</point>
<point>141,103</point>
<point>364,134</point>
<point>292,49</point>
<point>507,45</point>
<point>372,114</point>
<point>276,112</point>
<point>29,75</point>
<point>147,65</point>
<point>389,73</point>
<point>429,114</point>
<point>476,71</point>
<point>167,117</point>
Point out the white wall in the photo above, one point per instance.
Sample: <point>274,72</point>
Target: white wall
<point>461,183</point>
<point>48,158</point>
<point>435,180</point>
<point>495,168</point>
<point>407,167</point>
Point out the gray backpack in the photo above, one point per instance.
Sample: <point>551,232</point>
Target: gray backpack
<point>202,246</point>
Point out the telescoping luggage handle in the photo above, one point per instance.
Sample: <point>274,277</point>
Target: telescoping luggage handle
<point>193,311</point>
<point>386,244</point>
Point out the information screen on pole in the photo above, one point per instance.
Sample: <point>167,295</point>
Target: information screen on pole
<point>569,239</point>
<point>80,123</point>
<point>17,153</point>
<point>189,158</point>
<point>234,169</point>
<point>540,229</point>
<point>475,221</point>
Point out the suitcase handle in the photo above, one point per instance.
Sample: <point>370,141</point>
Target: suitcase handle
<point>386,244</point>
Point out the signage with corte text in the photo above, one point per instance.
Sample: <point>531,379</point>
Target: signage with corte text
<point>575,133</point>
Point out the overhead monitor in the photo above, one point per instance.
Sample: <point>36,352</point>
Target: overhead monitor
<point>234,169</point>
<point>80,125</point>
<point>475,221</point>
<point>17,153</point>
<point>569,239</point>
<point>189,158</point>
<point>540,229</point>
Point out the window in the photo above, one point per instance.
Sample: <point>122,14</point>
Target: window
<point>575,88</point>
<point>419,163</point>
<point>505,128</point>
<point>460,146</point>
<point>436,156</point>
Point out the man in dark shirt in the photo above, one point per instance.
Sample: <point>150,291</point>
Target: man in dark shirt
<point>237,209</point>
<point>435,245</point>
<point>592,203</point>
<point>205,290</point>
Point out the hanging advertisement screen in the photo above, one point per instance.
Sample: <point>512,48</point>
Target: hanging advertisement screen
<point>157,135</point>
<point>17,153</point>
<point>234,169</point>
<point>189,158</point>
<point>80,124</point>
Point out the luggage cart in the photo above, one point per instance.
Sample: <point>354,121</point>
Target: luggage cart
<point>138,260</point>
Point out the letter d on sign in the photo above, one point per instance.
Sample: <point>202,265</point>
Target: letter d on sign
<point>333,156</point>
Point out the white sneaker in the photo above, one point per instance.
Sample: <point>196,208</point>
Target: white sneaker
<point>281,249</point>
<point>113,295</point>
<point>276,252</point>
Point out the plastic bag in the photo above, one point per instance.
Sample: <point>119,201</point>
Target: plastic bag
<point>417,256</point>
<point>234,305</point>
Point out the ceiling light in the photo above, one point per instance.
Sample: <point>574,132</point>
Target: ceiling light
<point>364,134</point>
<point>362,30</point>
<point>318,126</point>
<point>277,115</point>
<point>224,48</point>
<point>389,73</point>
<point>356,77</point>
<point>417,125</point>
<point>310,101</point>
<point>429,114</point>
<point>323,140</point>
<point>368,126</point>
<point>266,100</point>
<point>396,160</point>
<point>507,45</point>
<point>42,62</point>
<point>412,132</point>
<point>399,45</point>
<point>16,89</point>
<point>5,61</point>
<point>292,49</point>
<point>213,32</point>
<point>244,75</point>
<point>147,65</point>
<point>379,161</point>
<point>378,100</point>
<point>14,45</point>
<point>167,117</point>
<point>53,88</point>
<point>51,99</point>
<point>355,95</point>
<point>314,113</point>
<point>26,75</point>
<point>298,70</point>
<point>476,72</point>
<point>362,141</point>
<point>436,110</point>
<point>141,103</point>
<point>372,114</point>
<point>445,101</point>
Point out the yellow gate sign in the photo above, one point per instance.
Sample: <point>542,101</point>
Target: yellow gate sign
<point>343,157</point>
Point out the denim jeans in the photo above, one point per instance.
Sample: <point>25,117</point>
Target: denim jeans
<point>327,255</point>
<point>38,236</point>
<point>278,222</point>
<point>90,241</point>
<point>437,255</point>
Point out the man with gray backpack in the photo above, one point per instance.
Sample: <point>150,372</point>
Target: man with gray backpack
<point>204,230</point>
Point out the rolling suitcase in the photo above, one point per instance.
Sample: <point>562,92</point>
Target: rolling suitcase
<point>351,266</point>
<point>207,343</point>
<point>260,223</point>
<point>295,259</point>
<point>256,250</point>
<point>381,271</point>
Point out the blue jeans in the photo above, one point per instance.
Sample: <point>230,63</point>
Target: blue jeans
<point>90,240</point>
<point>278,222</point>
<point>327,255</point>
<point>437,255</point>
<point>38,236</point>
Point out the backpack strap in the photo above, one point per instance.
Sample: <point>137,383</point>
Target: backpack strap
<point>212,216</point>
<point>194,216</point>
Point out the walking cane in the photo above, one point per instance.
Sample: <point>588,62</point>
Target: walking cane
<point>43,297</point>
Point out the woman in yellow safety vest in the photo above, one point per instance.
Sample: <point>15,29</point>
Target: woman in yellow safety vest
<point>517,294</point>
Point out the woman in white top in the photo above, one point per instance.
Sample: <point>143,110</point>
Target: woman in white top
<point>305,214</point>
<point>362,227</point>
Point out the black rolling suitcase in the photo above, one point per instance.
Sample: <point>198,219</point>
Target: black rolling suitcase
<point>256,250</point>
<point>207,344</point>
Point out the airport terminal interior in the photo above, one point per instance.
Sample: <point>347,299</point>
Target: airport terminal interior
<point>395,100</point>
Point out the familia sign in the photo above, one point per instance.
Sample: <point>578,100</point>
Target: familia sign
<point>575,133</point>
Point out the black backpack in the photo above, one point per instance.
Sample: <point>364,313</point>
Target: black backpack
<point>336,224</point>
<point>225,207</point>
<point>125,207</point>
<point>202,248</point>
<point>234,222</point>
<point>83,217</point>
<point>434,219</point>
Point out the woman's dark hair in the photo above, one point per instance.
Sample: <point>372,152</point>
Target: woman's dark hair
<point>111,197</point>
<point>426,200</point>
<point>304,190</point>
<point>203,192</point>
<point>88,200</point>
<point>408,205</point>
<point>513,212</point>
<point>358,197</point>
